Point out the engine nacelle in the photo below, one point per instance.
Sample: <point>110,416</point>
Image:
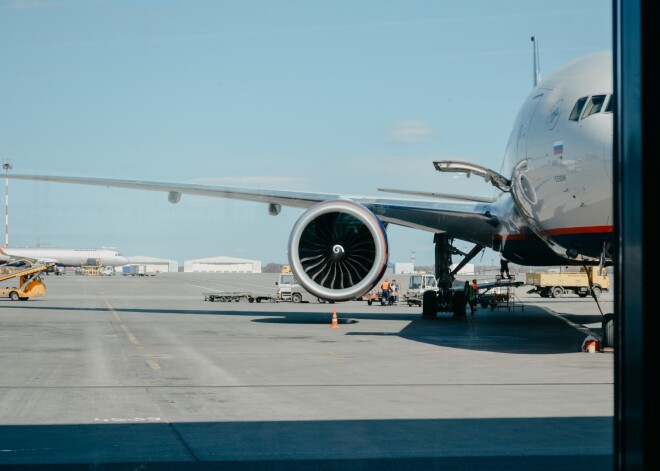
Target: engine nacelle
<point>338,250</point>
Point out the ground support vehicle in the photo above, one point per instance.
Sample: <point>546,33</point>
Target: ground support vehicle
<point>376,296</point>
<point>89,270</point>
<point>582,283</point>
<point>500,294</point>
<point>28,279</point>
<point>108,271</point>
<point>497,294</point>
<point>134,270</point>
<point>288,289</point>
<point>236,296</point>
<point>418,284</point>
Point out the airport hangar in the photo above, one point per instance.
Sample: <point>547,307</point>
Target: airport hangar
<point>219,264</point>
<point>222,265</point>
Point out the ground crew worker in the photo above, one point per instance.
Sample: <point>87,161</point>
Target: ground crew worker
<point>470,296</point>
<point>504,268</point>
<point>385,288</point>
<point>394,292</point>
<point>475,290</point>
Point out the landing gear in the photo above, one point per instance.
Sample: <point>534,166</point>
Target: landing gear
<point>446,299</point>
<point>607,337</point>
<point>430,305</point>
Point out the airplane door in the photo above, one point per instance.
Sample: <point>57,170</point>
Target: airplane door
<point>528,110</point>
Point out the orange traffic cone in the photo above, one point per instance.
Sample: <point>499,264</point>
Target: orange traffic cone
<point>334,324</point>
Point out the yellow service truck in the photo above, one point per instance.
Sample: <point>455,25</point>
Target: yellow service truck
<point>554,285</point>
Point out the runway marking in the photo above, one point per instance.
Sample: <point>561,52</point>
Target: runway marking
<point>132,338</point>
<point>153,365</point>
<point>129,334</point>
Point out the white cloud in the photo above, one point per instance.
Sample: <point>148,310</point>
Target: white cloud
<point>412,132</point>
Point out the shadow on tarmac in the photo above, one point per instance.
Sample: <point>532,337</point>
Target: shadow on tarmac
<point>529,331</point>
<point>566,443</point>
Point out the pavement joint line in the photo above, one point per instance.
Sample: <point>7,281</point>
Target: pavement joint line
<point>274,386</point>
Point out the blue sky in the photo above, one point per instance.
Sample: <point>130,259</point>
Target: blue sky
<point>341,96</point>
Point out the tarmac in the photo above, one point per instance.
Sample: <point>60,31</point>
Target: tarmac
<point>116,372</point>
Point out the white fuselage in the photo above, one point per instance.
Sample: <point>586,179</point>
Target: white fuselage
<point>67,257</point>
<point>559,157</point>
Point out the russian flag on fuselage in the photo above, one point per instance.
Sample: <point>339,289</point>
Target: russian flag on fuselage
<point>558,147</point>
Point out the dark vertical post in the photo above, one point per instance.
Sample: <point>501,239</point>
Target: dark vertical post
<point>636,144</point>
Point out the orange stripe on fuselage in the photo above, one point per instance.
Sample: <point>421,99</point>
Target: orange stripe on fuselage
<point>562,231</point>
<point>580,230</point>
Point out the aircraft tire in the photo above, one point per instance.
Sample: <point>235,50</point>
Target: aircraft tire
<point>430,305</point>
<point>459,304</point>
<point>607,336</point>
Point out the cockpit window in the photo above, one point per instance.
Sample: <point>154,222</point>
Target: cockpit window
<point>610,105</point>
<point>577,109</point>
<point>594,105</point>
<point>588,105</point>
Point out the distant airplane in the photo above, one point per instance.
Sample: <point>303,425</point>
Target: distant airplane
<point>65,257</point>
<point>553,201</point>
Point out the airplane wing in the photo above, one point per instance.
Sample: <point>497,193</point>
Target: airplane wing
<point>473,221</point>
<point>433,194</point>
<point>338,248</point>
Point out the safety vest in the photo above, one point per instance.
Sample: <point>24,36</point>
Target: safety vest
<point>385,285</point>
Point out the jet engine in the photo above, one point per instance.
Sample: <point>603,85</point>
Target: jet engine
<point>338,250</point>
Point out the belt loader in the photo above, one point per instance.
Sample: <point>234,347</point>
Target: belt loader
<point>27,282</point>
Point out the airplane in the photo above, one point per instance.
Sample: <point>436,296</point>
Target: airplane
<point>552,203</point>
<point>62,257</point>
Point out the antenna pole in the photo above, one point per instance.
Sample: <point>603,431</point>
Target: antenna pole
<point>537,66</point>
<point>7,167</point>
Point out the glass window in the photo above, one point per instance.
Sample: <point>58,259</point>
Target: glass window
<point>594,105</point>
<point>415,282</point>
<point>577,109</point>
<point>610,105</point>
